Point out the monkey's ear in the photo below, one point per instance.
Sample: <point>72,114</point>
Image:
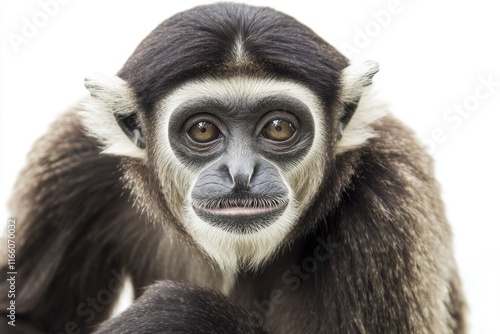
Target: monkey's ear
<point>355,78</point>
<point>110,115</point>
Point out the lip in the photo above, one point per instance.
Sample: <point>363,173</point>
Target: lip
<point>240,211</point>
<point>240,215</point>
<point>240,206</point>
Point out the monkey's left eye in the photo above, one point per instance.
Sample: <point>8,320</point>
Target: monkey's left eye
<point>278,130</point>
<point>204,132</point>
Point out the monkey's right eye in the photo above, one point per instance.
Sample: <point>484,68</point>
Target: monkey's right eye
<point>204,132</point>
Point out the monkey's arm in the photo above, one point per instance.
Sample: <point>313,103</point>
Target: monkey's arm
<point>395,259</point>
<point>169,307</point>
<point>70,210</point>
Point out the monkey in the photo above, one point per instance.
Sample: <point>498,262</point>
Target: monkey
<point>247,178</point>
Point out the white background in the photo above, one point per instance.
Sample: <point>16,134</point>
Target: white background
<point>432,56</point>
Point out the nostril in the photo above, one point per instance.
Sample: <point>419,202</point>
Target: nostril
<point>226,169</point>
<point>250,175</point>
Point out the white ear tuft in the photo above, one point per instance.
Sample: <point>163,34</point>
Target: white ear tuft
<point>110,97</point>
<point>355,78</point>
<point>361,106</point>
<point>112,93</point>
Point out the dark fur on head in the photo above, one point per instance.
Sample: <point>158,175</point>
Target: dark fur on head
<point>200,42</point>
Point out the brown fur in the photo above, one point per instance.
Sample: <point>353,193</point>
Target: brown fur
<point>85,216</point>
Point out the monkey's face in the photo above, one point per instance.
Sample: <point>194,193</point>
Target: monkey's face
<point>241,149</point>
<point>242,157</point>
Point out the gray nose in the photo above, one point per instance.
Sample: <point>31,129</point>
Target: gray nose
<point>241,173</point>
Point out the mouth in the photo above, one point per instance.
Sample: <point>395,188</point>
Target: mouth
<point>240,211</point>
<point>240,205</point>
<point>240,214</point>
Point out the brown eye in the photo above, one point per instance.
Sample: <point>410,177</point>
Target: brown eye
<point>278,130</point>
<point>204,132</point>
